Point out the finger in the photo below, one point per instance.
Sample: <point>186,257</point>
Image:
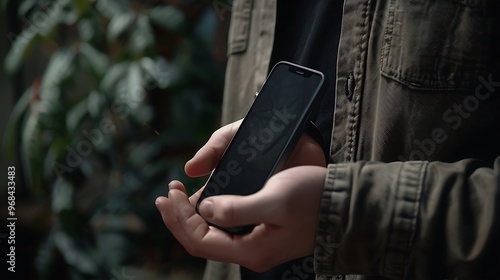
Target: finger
<point>233,210</point>
<point>194,198</point>
<point>164,206</point>
<point>205,160</point>
<point>306,152</point>
<point>205,241</point>
<point>177,185</point>
<point>195,234</point>
<point>180,218</point>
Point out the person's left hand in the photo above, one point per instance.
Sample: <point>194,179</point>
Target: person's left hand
<point>285,211</point>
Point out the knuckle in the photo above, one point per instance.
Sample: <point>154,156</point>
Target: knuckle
<point>225,211</point>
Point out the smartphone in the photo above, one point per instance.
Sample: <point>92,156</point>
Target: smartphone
<point>267,135</point>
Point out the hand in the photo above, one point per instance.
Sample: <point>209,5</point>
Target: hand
<point>285,210</point>
<point>306,152</point>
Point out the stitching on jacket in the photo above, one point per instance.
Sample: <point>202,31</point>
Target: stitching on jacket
<point>393,214</point>
<point>239,30</point>
<point>354,113</point>
<point>408,195</point>
<point>387,42</point>
<point>335,204</point>
<point>422,172</point>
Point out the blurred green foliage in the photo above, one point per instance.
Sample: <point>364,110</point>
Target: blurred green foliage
<point>130,90</point>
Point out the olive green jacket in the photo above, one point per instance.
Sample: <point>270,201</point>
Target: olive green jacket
<point>413,184</point>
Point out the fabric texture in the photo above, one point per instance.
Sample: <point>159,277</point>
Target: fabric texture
<point>413,184</point>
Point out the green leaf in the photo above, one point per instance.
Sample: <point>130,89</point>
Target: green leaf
<point>25,6</point>
<point>10,137</point>
<point>118,24</point>
<point>95,103</point>
<point>113,75</point>
<point>63,206</point>
<point>142,37</point>
<point>60,67</point>
<point>168,17</point>
<point>90,28</point>
<point>45,20</point>
<point>51,106</point>
<point>73,255</point>
<point>135,90</point>
<point>62,196</point>
<point>163,73</point>
<point>97,61</point>
<point>51,156</point>
<point>110,8</point>
<point>76,115</point>
<point>51,112</point>
<point>31,152</point>
<point>70,12</point>
<point>22,45</point>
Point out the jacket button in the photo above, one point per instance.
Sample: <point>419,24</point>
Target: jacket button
<point>349,86</point>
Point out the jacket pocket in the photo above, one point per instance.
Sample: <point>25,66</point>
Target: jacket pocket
<point>436,45</point>
<point>239,30</point>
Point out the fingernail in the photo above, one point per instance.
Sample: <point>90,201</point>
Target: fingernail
<point>169,186</point>
<point>158,202</point>
<point>207,209</point>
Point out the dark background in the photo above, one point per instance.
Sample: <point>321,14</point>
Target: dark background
<point>101,104</point>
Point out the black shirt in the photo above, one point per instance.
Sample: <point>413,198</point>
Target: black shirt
<point>307,33</point>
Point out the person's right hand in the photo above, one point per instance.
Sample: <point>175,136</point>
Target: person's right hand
<point>307,152</point>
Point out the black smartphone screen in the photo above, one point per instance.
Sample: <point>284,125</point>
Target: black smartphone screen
<point>268,133</point>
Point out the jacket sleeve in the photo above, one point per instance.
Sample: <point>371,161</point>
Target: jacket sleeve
<point>411,220</point>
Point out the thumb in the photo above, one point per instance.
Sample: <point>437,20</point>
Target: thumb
<point>234,210</point>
